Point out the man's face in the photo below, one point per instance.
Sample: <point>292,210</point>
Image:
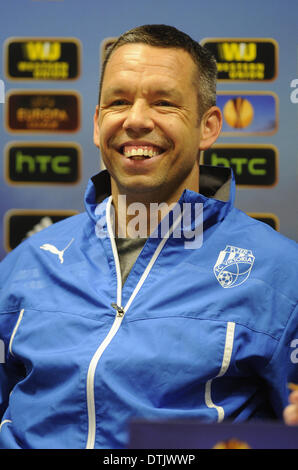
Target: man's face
<point>147,125</point>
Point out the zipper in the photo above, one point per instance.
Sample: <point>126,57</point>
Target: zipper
<point>120,313</point>
<point>100,350</point>
<point>91,373</point>
<point>120,310</point>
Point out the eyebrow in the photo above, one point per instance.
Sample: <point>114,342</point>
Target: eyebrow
<point>159,92</point>
<point>168,93</point>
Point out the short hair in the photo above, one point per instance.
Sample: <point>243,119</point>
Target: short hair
<point>160,35</point>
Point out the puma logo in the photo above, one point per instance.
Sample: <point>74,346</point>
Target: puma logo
<point>55,251</point>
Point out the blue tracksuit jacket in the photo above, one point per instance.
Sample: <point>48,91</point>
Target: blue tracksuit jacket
<point>209,332</point>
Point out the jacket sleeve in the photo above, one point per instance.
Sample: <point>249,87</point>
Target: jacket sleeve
<point>10,370</point>
<point>283,367</point>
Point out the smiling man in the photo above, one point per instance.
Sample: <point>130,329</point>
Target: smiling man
<point>147,124</point>
<point>151,125</point>
<point>119,327</point>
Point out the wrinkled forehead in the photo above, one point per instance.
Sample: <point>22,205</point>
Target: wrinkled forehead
<point>145,60</point>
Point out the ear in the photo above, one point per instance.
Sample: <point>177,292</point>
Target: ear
<point>96,127</point>
<point>210,125</point>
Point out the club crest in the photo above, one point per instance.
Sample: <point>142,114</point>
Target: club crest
<point>233,266</point>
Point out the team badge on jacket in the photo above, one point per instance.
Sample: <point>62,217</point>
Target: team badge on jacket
<point>233,266</point>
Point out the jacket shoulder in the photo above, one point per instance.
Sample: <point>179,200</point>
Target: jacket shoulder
<point>275,255</point>
<point>24,254</point>
<point>266,234</point>
<point>67,226</point>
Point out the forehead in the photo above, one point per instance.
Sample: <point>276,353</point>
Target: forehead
<point>141,61</point>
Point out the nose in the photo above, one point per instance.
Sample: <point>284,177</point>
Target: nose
<point>138,118</point>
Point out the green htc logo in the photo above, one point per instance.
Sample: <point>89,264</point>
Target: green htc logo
<point>34,163</point>
<point>42,163</point>
<point>252,165</point>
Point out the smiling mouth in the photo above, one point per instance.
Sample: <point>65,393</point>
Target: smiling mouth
<point>140,152</point>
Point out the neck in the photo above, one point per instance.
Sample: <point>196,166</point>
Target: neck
<point>139,216</point>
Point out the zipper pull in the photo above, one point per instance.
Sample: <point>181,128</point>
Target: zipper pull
<point>120,310</point>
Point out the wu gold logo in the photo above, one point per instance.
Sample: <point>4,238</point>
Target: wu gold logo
<point>239,51</point>
<point>43,58</point>
<point>39,50</point>
<point>233,266</point>
<point>244,59</point>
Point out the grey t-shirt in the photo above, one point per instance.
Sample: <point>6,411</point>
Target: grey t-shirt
<point>128,251</point>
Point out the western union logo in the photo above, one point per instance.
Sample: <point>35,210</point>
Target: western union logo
<point>42,50</point>
<point>42,58</point>
<point>239,51</point>
<point>244,59</point>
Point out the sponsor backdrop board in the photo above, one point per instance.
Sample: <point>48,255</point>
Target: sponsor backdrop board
<point>51,53</point>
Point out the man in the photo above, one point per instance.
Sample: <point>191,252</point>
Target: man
<point>186,313</point>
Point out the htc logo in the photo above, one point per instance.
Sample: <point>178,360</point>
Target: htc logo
<point>43,163</point>
<point>253,165</point>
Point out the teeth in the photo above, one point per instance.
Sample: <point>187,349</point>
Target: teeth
<point>129,151</point>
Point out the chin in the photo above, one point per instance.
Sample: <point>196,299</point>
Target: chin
<point>138,188</point>
<point>137,184</point>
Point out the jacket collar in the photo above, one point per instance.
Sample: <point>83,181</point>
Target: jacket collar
<point>217,192</point>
